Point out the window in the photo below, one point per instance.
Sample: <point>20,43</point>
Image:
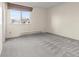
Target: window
<point>26,15</point>
<point>19,14</point>
<point>18,17</point>
<point>15,16</point>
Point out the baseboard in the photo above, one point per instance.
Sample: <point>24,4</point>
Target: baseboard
<point>29,33</point>
<point>25,34</point>
<point>61,36</point>
<point>38,32</point>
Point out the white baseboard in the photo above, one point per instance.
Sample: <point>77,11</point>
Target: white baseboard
<point>25,33</point>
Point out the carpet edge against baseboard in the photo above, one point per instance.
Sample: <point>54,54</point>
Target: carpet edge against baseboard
<point>41,33</point>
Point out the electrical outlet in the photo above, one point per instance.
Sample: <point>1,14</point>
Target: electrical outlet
<point>9,32</point>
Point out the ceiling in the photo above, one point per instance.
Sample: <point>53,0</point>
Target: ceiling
<point>38,4</point>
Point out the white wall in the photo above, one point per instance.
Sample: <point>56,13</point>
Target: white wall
<point>38,23</point>
<point>0,27</point>
<point>0,38</point>
<point>64,20</point>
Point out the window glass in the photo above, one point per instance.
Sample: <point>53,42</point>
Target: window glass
<point>26,15</point>
<point>15,16</point>
<point>18,17</point>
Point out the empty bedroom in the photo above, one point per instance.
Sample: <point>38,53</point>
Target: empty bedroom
<point>40,29</point>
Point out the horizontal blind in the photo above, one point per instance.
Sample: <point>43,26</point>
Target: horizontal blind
<point>18,7</point>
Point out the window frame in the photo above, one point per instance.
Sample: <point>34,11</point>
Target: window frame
<point>21,16</point>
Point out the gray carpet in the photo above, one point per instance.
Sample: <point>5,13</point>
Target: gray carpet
<point>40,45</point>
